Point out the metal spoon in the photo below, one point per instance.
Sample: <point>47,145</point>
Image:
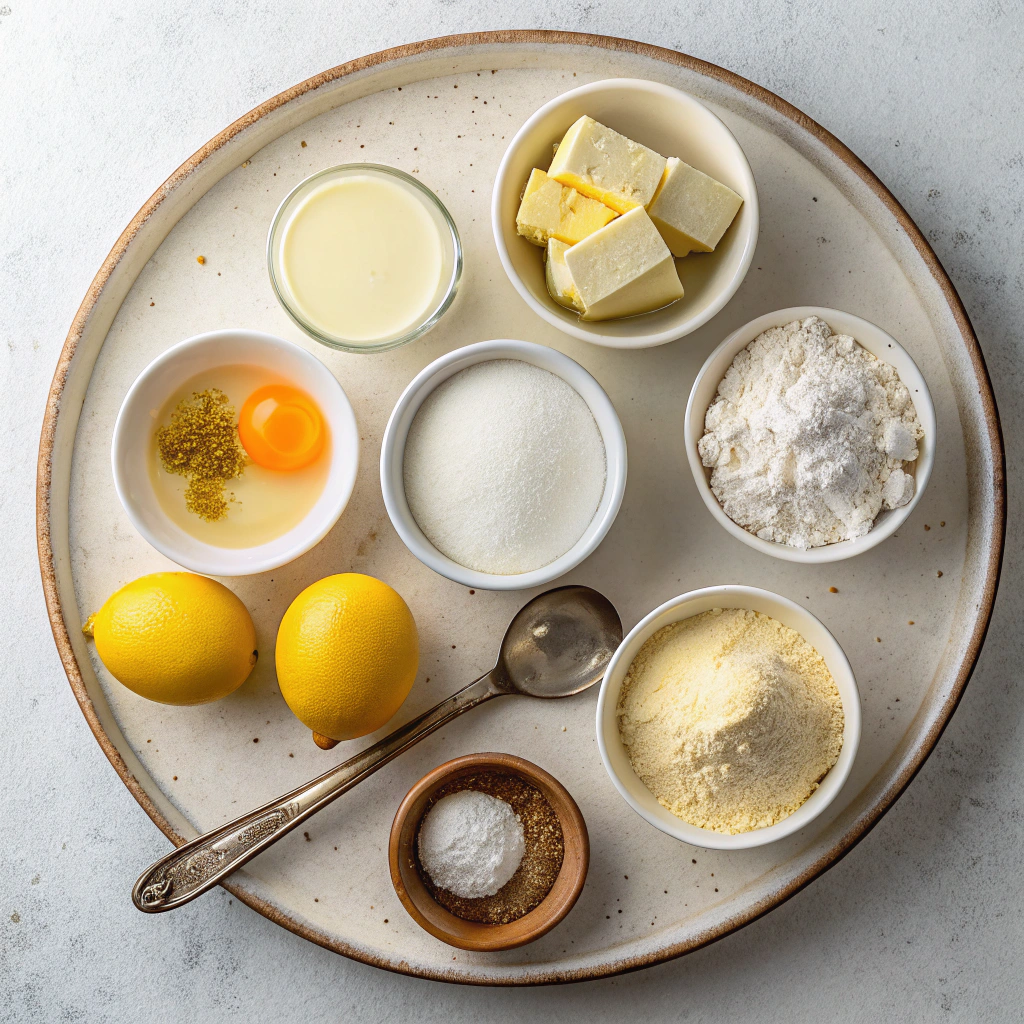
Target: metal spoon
<point>557,645</point>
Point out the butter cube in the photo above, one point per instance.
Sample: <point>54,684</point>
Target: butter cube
<point>607,166</point>
<point>623,269</point>
<point>537,180</point>
<point>558,278</point>
<point>550,210</point>
<point>691,209</point>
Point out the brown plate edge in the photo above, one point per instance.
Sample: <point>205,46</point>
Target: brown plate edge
<point>995,440</point>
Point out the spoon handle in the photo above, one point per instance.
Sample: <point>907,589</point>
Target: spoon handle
<point>191,869</point>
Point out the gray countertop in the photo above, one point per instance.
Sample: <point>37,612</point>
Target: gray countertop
<point>99,102</point>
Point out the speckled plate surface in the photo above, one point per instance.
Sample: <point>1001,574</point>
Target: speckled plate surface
<point>444,110</point>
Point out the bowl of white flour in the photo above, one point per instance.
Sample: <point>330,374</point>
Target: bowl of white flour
<point>810,434</point>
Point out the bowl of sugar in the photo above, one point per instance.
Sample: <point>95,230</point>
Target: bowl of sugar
<point>503,465</point>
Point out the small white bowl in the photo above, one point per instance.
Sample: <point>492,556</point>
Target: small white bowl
<point>673,124</point>
<point>616,759</point>
<point>879,344</point>
<point>392,456</point>
<point>136,422</point>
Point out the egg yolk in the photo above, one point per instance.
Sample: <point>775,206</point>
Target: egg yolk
<point>281,428</point>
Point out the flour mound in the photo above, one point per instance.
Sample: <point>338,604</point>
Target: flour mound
<point>809,437</point>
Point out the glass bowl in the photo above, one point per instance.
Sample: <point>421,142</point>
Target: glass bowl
<point>451,247</point>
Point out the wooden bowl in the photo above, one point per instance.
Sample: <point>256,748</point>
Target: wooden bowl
<point>474,935</point>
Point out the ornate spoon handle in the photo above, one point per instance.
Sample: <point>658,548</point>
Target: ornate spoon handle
<point>190,870</point>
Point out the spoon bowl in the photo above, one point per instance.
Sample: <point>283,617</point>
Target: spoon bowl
<point>559,643</point>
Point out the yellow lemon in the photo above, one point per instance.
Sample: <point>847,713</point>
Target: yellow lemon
<point>176,638</point>
<point>347,654</point>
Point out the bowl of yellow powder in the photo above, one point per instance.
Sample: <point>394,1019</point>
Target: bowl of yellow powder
<point>729,718</point>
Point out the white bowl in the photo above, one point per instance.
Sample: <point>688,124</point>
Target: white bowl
<point>879,344</point>
<point>672,123</point>
<point>136,422</point>
<point>616,759</point>
<point>393,453</point>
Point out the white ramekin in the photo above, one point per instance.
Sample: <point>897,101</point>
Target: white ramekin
<point>616,759</point>
<point>393,453</point>
<point>136,422</point>
<point>674,124</point>
<point>879,344</point>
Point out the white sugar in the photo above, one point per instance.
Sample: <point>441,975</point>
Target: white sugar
<point>504,467</point>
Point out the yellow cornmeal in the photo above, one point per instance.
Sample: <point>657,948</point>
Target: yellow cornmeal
<point>731,719</point>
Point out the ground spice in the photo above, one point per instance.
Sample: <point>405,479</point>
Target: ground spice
<point>545,847</point>
<point>201,443</point>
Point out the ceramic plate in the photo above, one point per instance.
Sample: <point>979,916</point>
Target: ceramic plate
<point>444,111</point>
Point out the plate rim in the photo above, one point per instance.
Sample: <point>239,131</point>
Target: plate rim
<point>993,433</point>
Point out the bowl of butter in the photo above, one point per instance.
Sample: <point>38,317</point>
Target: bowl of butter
<point>625,213</point>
